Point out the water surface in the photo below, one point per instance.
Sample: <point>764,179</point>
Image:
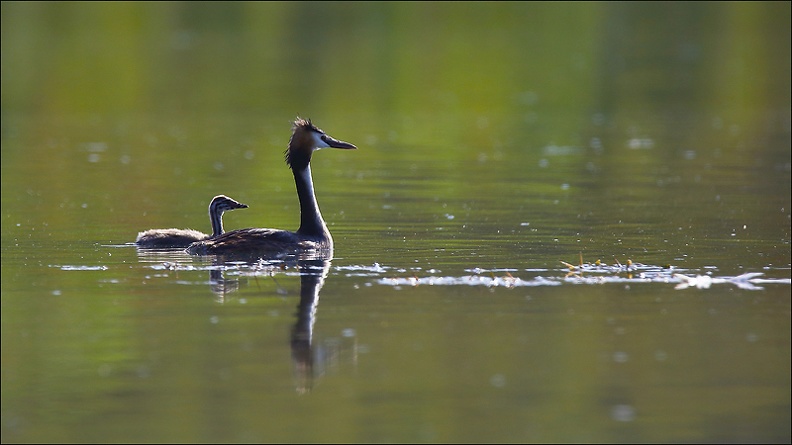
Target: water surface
<point>563,223</point>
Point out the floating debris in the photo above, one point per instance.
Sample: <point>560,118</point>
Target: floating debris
<point>469,280</point>
<point>68,267</point>
<point>748,281</point>
<point>620,272</point>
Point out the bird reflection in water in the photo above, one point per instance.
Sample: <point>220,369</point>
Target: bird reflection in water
<point>220,285</point>
<point>228,275</point>
<point>309,361</point>
<point>312,276</point>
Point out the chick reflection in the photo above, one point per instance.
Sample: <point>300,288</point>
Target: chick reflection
<point>220,285</point>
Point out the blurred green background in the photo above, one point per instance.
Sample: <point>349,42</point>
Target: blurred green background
<point>160,106</point>
<point>490,134</point>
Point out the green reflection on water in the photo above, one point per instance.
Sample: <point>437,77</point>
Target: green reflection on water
<point>513,135</point>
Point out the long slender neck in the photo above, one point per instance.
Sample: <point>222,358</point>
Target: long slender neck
<point>311,222</point>
<point>216,216</point>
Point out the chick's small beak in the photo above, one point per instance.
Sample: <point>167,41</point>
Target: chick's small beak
<point>335,143</point>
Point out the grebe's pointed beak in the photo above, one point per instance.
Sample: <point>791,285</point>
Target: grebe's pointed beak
<point>335,143</point>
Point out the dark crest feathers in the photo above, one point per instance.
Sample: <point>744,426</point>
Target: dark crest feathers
<point>298,124</point>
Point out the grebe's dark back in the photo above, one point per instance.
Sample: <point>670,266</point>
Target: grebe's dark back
<point>167,238</point>
<point>312,234</point>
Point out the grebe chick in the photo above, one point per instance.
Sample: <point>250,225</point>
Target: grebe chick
<point>165,238</point>
<point>312,234</point>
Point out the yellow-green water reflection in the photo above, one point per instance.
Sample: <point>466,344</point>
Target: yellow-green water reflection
<point>506,135</point>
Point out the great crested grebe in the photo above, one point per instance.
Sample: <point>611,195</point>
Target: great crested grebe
<point>312,234</point>
<point>164,238</point>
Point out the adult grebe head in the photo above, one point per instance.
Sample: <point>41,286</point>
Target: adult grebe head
<point>307,138</point>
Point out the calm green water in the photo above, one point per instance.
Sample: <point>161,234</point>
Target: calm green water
<point>495,143</point>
